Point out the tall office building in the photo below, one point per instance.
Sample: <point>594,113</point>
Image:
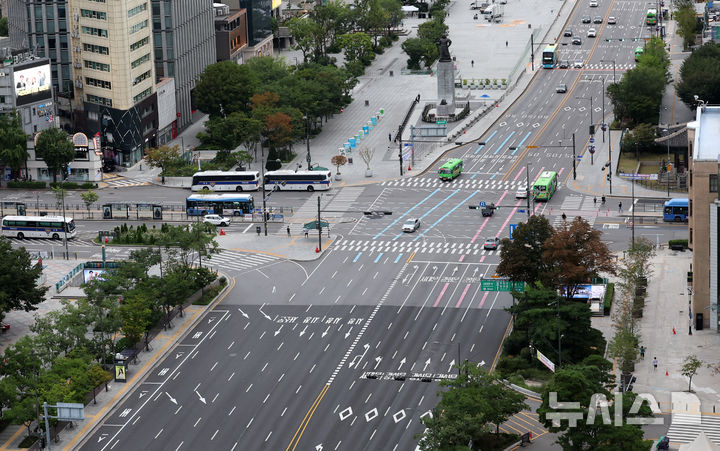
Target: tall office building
<point>114,74</point>
<point>184,40</point>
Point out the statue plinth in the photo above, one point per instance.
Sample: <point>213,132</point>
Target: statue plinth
<point>445,79</point>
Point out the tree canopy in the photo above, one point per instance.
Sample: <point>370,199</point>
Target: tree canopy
<point>56,149</point>
<point>521,258</point>
<point>225,88</point>
<point>13,140</point>
<point>699,76</point>
<point>19,288</point>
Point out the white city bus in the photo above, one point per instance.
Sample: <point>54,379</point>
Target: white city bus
<point>53,227</point>
<point>225,181</point>
<point>298,181</point>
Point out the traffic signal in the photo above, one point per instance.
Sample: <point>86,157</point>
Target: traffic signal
<point>607,177</point>
<point>592,129</point>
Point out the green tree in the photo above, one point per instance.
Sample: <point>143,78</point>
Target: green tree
<point>575,254</point>
<point>89,197</point>
<point>60,332</point>
<point>3,26</point>
<point>432,30</point>
<point>136,314</point>
<point>357,47</point>
<point>56,149</point>
<point>306,32</point>
<point>225,88</point>
<point>19,288</point>
<point>588,384</point>
<point>13,140</point>
<point>690,368</point>
<point>699,76</point>
<point>416,49</point>
<point>163,157</point>
<point>521,258</point>
<point>637,96</point>
<point>686,19</point>
<point>640,139</point>
<point>471,401</point>
<point>23,366</point>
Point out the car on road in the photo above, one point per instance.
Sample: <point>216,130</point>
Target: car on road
<point>591,33</point>
<point>488,210</point>
<point>521,193</point>
<point>491,243</point>
<point>612,20</point>
<point>411,225</point>
<point>577,65</point>
<point>217,220</point>
<point>597,19</point>
<point>593,3</point>
<point>586,19</point>
<point>568,32</point>
<point>564,64</point>
<point>561,88</point>
<point>576,41</point>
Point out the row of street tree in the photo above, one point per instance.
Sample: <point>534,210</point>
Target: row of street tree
<point>69,349</point>
<point>552,263</point>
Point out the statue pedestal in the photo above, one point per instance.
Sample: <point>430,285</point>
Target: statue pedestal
<point>446,88</point>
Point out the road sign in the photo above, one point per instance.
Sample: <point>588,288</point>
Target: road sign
<point>501,285</point>
<point>591,149</point>
<point>513,227</point>
<point>483,204</point>
<point>441,122</point>
<point>592,140</point>
<point>579,157</point>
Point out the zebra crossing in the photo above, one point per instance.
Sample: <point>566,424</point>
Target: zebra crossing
<point>685,430</point>
<point>605,66</point>
<point>459,183</point>
<point>407,247</point>
<point>577,205</point>
<point>240,261</point>
<point>123,182</point>
<point>46,242</point>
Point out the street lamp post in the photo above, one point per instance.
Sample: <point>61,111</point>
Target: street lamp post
<point>527,188</point>
<point>592,129</point>
<point>307,140</point>
<point>62,193</point>
<point>667,165</point>
<point>610,61</point>
<point>560,337</point>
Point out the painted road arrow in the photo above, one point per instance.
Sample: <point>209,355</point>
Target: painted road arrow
<point>246,315</point>
<point>172,400</point>
<point>202,400</point>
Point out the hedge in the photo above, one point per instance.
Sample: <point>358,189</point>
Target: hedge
<point>27,185</point>
<point>609,294</point>
<point>74,185</point>
<point>678,243</point>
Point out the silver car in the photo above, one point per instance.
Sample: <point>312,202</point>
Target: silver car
<point>411,225</point>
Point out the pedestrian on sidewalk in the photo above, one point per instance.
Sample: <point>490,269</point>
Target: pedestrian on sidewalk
<point>654,363</point>
<point>390,137</point>
<point>288,230</point>
<point>472,63</point>
<point>642,352</point>
<point>506,43</point>
<point>620,207</point>
<point>306,231</point>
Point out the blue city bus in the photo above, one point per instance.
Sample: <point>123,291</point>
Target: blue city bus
<point>219,204</point>
<point>550,56</point>
<point>676,210</point>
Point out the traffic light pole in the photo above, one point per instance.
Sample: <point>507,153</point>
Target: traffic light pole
<point>527,188</point>
<point>574,158</point>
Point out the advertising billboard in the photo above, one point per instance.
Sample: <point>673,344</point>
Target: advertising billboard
<point>32,83</point>
<point>92,274</point>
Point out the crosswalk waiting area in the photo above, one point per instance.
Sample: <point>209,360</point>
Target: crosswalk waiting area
<point>406,247</point>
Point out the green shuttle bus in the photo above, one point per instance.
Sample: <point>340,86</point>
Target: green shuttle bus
<point>545,186</point>
<point>451,169</point>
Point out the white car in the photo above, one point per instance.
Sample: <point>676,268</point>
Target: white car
<point>593,3</point>
<point>578,64</point>
<point>591,33</point>
<point>411,225</point>
<point>521,193</point>
<point>217,220</point>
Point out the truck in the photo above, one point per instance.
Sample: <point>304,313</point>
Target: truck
<point>493,13</point>
<point>479,4</point>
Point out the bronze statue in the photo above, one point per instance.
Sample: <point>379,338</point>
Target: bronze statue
<point>444,48</point>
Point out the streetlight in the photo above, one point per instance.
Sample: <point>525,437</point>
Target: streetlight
<point>610,61</point>
<point>65,226</point>
<point>527,188</point>
<point>591,107</point>
<point>592,126</point>
<point>307,139</point>
<point>667,165</point>
<point>574,158</point>
<point>560,349</point>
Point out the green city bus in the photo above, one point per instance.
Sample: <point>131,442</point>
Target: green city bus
<point>451,169</point>
<point>545,186</point>
<point>651,16</point>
